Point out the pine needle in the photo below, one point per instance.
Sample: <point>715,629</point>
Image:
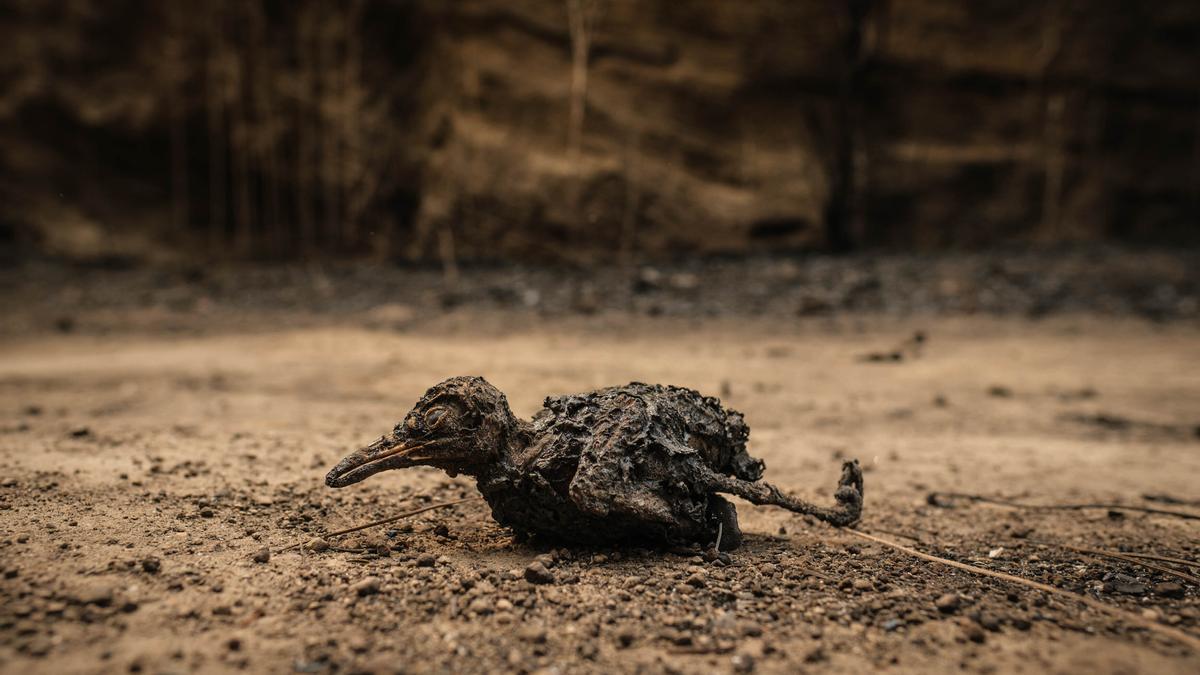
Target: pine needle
<point>1163,558</point>
<point>1133,560</point>
<point>1179,636</point>
<point>385,521</point>
<point>934,497</point>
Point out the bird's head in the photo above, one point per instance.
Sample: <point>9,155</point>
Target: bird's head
<point>459,425</point>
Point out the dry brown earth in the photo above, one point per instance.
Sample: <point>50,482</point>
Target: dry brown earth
<point>141,474</point>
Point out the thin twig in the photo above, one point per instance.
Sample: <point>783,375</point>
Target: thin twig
<point>1163,558</point>
<point>1175,634</point>
<point>897,534</point>
<point>1116,555</point>
<point>933,498</point>
<point>813,573</point>
<point>1161,568</point>
<point>1163,498</point>
<point>401,516</point>
<point>385,521</point>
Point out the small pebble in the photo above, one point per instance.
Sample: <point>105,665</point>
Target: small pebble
<point>1130,588</point>
<point>367,586</point>
<point>1168,589</point>
<point>317,544</point>
<point>947,603</point>
<point>151,565</point>
<point>359,644</point>
<point>37,646</point>
<point>989,621</point>
<point>99,594</point>
<point>262,555</point>
<point>626,637</point>
<point>742,663</point>
<point>533,634</point>
<point>536,573</point>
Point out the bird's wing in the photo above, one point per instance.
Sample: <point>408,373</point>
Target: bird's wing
<point>612,478</point>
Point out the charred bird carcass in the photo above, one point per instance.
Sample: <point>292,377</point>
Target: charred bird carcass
<point>641,462</point>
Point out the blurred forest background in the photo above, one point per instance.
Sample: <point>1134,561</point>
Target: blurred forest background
<point>591,131</point>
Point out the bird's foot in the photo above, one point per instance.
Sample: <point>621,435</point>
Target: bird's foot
<point>849,494</point>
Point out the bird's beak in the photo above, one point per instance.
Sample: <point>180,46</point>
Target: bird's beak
<point>389,452</point>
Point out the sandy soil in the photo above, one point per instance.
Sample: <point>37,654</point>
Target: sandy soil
<point>143,473</point>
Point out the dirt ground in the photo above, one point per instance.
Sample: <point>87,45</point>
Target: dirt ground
<point>142,473</point>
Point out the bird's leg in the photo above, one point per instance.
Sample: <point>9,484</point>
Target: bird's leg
<point>849,496</point>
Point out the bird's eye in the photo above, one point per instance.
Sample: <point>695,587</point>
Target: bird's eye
<point>435,417</point>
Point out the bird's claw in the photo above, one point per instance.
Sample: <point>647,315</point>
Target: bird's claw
<point>850,487</point>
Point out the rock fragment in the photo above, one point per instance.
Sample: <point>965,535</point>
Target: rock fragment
<point>974,633</point>
<point>947,603</point>
<point>366,586</point>
<point>989,621</point>
<point>1130,587</point>
<point>1168,589</point>
<point>742,663</point>
<point>536,573</point>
